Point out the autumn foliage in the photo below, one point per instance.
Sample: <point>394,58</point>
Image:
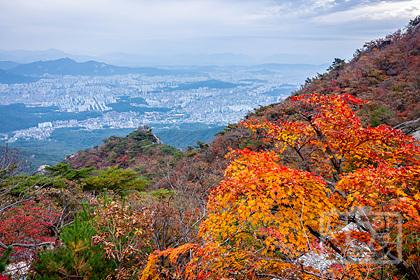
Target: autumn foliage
<point>124,233</point>
<point>385,72</point>
<point>27,225</point>
<point>315,187</point>
<point>324,192</point>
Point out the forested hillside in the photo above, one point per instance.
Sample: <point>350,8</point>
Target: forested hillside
<point>320,186</point>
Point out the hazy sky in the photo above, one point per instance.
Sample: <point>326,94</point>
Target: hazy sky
<point>321,29</point>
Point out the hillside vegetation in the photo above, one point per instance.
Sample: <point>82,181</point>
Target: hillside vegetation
<point>320,186</point>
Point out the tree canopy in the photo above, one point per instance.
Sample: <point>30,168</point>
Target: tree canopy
<point>331,190</point>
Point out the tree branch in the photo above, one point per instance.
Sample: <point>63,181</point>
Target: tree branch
<point>24,245</point>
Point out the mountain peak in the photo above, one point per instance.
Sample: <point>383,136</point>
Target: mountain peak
<point>68,66</point>
<point>64,59</point>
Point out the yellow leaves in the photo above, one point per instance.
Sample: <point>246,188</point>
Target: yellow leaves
<point>332,139</point>
<point>271,204</point>
<point>175,253</point>
<point>400,193</point>
<point>378,186</point>
<point>160,263</point>
<point>269,243</point>
<point>150,270</point>
<point>267,208</point>
<point>276,267</point>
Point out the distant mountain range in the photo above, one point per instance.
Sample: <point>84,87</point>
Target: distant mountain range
<point>12,72</point>
<point>10,78</point>
<point>161,59</point>
<point>27,56</point>
<point>67,66</point>
<point>6,65</point>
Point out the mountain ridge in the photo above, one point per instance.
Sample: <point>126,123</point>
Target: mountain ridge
<point>7,77</point>
<point>68,66</point>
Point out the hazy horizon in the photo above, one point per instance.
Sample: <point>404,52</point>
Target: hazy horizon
<point>176,31</point>
<point>126,59</point>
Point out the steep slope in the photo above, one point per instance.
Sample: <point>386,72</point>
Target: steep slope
<point>385,72</point>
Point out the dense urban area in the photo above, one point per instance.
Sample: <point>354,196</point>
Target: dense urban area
<point>201,99</point>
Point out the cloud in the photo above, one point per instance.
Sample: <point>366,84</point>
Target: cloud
<point>323,28</point>
<point>379,11</point>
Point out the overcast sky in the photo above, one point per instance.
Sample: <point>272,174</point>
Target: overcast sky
<point>320,29</point>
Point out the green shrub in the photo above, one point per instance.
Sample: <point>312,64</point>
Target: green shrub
<point>4,259</point>
<point>22,183</point>
<point>169,150</point>
<point>66,171</point>
<point>115,179</point>
<point>77,257</point>
<point>162,193</point>
<point>377,114</point>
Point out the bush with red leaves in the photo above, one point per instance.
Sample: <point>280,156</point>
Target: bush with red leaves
<point>27,225</point>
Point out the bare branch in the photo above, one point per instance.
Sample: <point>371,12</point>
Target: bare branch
<point>24,245</point>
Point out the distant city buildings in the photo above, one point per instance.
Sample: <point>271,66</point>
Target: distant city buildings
<point>166,100</point>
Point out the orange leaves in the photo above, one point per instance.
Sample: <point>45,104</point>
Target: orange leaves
<point>188,261</point>
<point>263,205</point>
<point>150,271</point>
<point>257,222</point>
<point>274,207</point>
<point>266,207</point>
<point>294,134</point>
<point>385,188</point>
<point>327,138</point>
<point>352,99</point>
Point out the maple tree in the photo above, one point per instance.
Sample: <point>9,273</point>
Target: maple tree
<point>35,219</point>
<point>312,196</point>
